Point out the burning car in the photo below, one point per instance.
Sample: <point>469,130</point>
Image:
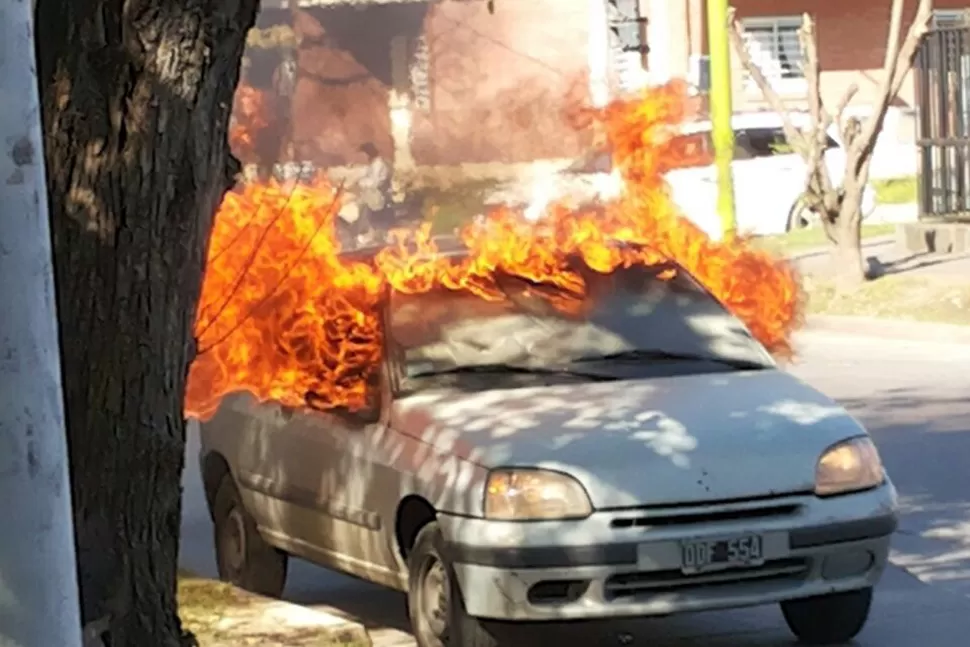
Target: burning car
<point>540,452</point>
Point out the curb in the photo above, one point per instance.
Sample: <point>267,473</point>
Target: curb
<point>889,329</point>
<point>257,620</point>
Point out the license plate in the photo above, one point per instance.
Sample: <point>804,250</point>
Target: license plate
<point>719,554</point>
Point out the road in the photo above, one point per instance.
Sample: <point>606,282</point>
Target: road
<point>914,399</point>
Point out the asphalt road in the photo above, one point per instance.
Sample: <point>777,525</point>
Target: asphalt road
<point>915,399</point>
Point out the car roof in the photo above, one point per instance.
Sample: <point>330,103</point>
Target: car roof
<point>745,120</point>
<point>452,247</point>
<point>447,245</point>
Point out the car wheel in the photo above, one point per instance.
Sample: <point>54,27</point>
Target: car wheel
<point>800,216</point>
<point>243,557</point>
<point>435,606</point>
<point>828,619</point>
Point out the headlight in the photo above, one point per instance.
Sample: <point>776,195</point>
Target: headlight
<point>849,466</point>
<point>530,494</point>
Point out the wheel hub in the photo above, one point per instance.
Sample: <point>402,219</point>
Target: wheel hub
<point>435,599</point>
<point>234,541</point>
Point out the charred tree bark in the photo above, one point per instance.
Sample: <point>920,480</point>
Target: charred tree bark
<point>136,100</point>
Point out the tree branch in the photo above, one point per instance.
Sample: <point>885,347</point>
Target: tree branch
<point>843,103</point>
<point>898,62</point>
<point>736,35</point>
<point>818,180</point>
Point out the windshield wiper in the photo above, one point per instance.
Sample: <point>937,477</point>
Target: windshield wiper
<point>498,368</point>
<point>640,355</point>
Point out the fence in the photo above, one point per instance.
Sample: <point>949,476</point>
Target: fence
<point>942,73</point>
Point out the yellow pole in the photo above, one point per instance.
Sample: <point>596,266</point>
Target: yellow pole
<point>722,134</point>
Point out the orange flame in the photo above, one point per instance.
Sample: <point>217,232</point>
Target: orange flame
<point>251,112</point>
<point>286,319</point>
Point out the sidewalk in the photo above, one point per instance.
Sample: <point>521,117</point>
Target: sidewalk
<point>221,615</point>
<point>890,329</point>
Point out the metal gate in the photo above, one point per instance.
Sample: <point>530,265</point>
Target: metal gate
<point>942,72</point>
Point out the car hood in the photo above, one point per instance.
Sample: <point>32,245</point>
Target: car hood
<point>676,440</point>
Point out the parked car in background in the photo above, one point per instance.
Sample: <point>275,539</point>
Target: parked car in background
<point>523,465</point>
<point>769,177</point>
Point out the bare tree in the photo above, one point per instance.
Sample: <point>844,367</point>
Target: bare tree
<point>837,202</point>
<point>136,99</point>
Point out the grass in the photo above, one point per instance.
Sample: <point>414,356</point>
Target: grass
<point>901,190</point>
<point>202,603</point>
<point>801,240</point>
<point>214,611</point>
<point>900,297</point>
<point>451,207</point>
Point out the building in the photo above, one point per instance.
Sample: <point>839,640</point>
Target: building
<point>446,83</point>
<point>851,46</point>
<point>432,84</point>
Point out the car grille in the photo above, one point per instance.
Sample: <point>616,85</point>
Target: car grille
<point>713,512</point>
<point>630,585</point>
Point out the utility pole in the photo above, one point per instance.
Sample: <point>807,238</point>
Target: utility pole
<point>719,49</point>
<point>38,576</point>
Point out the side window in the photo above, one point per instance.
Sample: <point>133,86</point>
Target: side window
<point>743,149</point>
<point>765,142</point>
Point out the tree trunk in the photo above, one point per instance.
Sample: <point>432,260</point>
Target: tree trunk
<point>850,269</point>
<point>136,101</point>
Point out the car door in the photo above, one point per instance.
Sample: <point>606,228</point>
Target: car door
<point>337,502</point>
<point>694,186</point>
<point>248,434</point>
<point>768,178</point>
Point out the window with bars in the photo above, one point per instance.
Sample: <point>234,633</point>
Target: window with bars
<point>775,48</point>
<point>628,43</point>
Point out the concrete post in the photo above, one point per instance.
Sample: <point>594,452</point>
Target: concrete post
<point>38,580</point>
<point>721,112</point>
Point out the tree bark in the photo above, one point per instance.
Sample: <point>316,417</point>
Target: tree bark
<point>850,267</point>
<point>136,101</point>
<point>840,200</point>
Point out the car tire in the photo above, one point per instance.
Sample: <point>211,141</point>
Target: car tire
<point>243,557</point>
<point>432,583</point>
<point>800,217</point>
<point>832,619</point>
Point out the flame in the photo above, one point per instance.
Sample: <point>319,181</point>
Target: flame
<point>283,317</point>
<point>251,112</point>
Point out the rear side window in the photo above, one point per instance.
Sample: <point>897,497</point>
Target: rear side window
<point>763,142</point>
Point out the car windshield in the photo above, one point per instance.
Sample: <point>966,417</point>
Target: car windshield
<point>636,322</point>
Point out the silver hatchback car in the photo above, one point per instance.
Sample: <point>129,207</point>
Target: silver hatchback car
<point>641,456</point>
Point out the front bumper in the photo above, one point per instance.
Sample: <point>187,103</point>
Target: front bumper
<point>627,562</point>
